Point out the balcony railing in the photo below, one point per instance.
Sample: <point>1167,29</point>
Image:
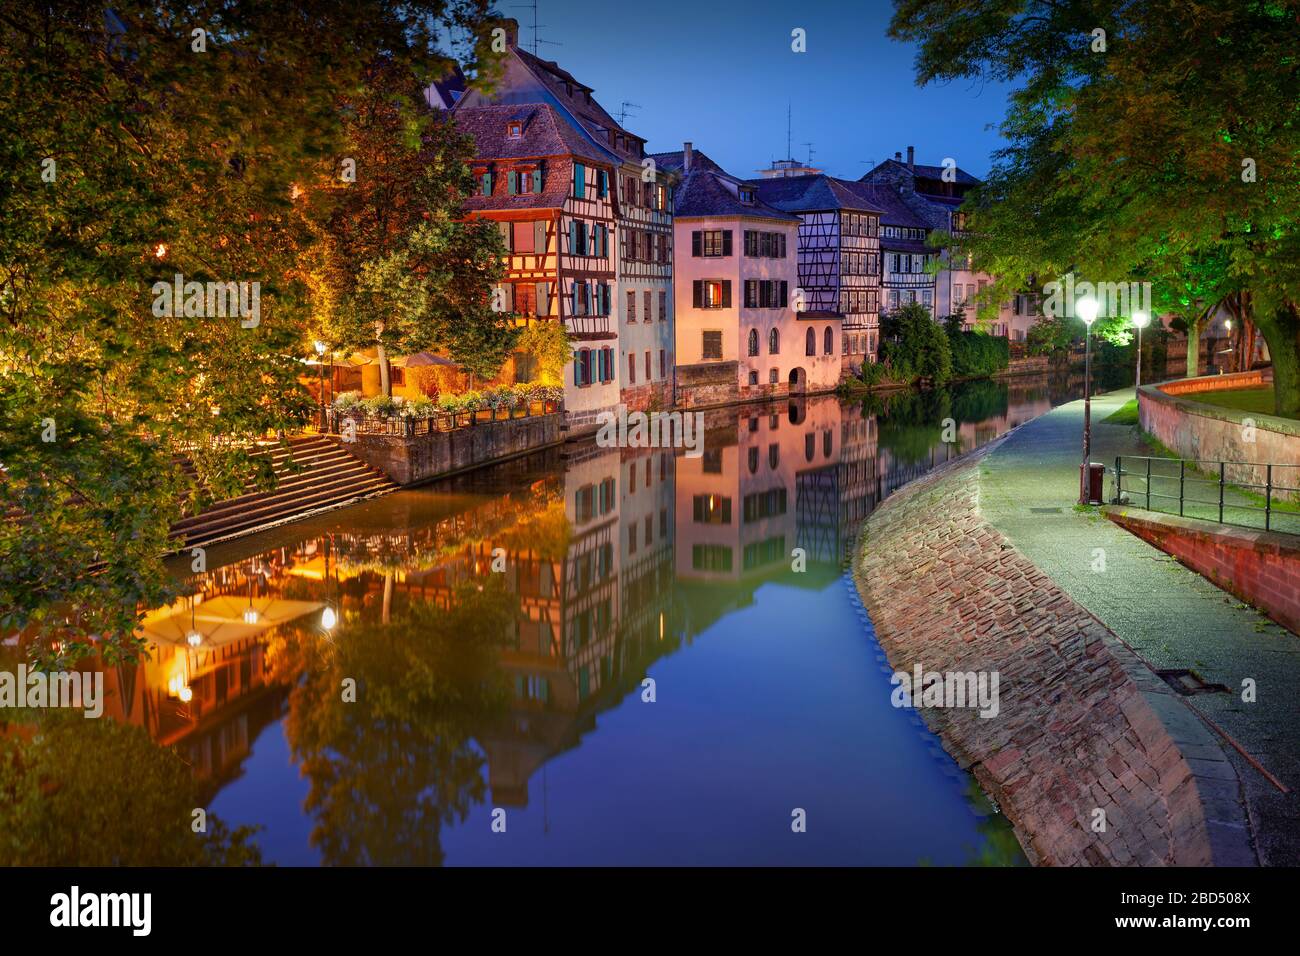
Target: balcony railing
<point>403,426</point>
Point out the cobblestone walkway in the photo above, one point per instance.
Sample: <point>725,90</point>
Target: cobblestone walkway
<point>1171,616</point>
<point>1083,725</point>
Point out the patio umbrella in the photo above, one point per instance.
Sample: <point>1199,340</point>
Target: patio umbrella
<point>423,360</point>
<point>221,620</point>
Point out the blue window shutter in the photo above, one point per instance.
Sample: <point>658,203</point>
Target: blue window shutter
<point>579,181</point>
<point>573,237</point>
<point>602,180</point>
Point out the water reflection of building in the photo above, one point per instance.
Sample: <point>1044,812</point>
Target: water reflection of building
<point>612,559</point>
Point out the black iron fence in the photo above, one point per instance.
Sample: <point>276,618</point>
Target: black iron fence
<point>409,426</point>
<point>1209,489</point>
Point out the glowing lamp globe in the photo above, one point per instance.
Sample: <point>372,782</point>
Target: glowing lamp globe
<point>1141,319</point>
<point>1087,310</point>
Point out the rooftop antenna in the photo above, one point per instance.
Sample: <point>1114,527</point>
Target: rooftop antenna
<point>536,39</point>
<point>810,151</point>
<point>789,150</point>
<point>623,109</point>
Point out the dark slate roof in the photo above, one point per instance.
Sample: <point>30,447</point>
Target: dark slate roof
<point>811,193</point>
<point>703,190</point>
<point>923,171</point>
<point>894,210</point>
<point>588,111</point>
<point>449,88</point>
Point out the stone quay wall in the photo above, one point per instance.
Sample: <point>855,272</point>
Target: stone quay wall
<point>409,460</point>
<point>1083,725</point>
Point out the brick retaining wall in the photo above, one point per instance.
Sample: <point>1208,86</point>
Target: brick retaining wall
<point>1260,567</point>
<point>1083,724</point>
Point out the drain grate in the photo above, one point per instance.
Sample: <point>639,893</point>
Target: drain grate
<point>1188,682</point>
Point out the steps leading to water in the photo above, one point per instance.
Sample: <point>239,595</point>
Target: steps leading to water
<point>324,475</point>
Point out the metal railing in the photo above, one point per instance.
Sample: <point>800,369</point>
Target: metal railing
<point>1210,493</point>
<point>409,426</point>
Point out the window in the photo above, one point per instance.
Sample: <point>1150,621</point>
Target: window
<point>753,469</point>
<point>712,509</point>
<point>663,364</point>
<point>768,245</point>
<point>711,243</point>
<point>747,195</point>
<point>753,378</point>
<point>649,304</point>
<point>712,345</point>
<point>631,306</point>
<point>810,343</point>
<point>711,293</point>
<point>602,183</point>
<point>809,446</point>
<point>763,504</point>
<point>753,343</point>
<point>582,368</point>
<point>631,539</point>
<point>773,377</point>
<point>766,293</point>
<point>828,443</point>
<point>828,342</point>
<point>773,455</point>
<point>647,365</point>
<point>774,342</point>
<point>631,368</point>
<point>663,306</point>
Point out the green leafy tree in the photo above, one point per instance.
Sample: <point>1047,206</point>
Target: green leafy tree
<point>1128,156</point>
<point>550,348</point>
<point>401,270</point>
<point>135,150</point>
<point>915,346</point>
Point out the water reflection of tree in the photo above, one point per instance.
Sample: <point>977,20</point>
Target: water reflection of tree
<point>911,422</point>
<point>77,792</point>
<point>979,400</point>
<point>390,770</point>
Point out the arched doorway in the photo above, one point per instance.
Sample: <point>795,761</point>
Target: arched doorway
<point>798,380</point>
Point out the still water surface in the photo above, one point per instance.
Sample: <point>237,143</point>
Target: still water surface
<point>517,694</point>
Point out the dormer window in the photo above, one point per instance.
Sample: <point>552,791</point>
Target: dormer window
<point>747,195</point>
<point>514,129</point>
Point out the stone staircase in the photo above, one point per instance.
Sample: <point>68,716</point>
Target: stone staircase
<point>330,478</point>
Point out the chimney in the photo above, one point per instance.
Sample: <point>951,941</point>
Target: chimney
<point>686,157</point>
<point>898,157</point>
<point>911,157</point>
<point>511,26</point>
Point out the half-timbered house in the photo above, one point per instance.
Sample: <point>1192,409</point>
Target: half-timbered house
<point>641,205</point>
<point>741,332</point>
<point>839,254</point>
<point>552,195</point>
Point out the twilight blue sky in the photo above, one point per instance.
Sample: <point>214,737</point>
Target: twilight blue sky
<point>720,74</point>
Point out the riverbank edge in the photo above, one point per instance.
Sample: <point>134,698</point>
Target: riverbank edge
<point>1087,726</point>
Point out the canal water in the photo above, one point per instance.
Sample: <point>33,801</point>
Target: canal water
<point>586,656</point>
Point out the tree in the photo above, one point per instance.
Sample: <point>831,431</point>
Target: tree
<point>136,150</point>
<point>1129,155</point>
<point>915,346</point>
<point>548,344</point>
<point>401,270</point>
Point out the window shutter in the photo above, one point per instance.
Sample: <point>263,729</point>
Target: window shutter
<point>537,179</point>
<point>602,183</point>
<point>726,291</point>
<point>579,181</point>
<point>504,229</point>
<point>695,244</point>
<point>543,298</point>
<point>697,291</point>
<point>539,237</point>
<point>512,182</point>
<point>726,243</point>
<point>784,293</point>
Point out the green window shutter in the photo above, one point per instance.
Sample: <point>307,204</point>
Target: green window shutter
<point>512,182</point>
<point>485,182</point>
<point>537,179</point>
<point>573,237</point>
<point>579,181</point>
<point>504,229</point>
<point>539,236</point>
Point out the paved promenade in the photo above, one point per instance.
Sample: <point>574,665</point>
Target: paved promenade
<point>1094,760</point>
<point>1172,617</point>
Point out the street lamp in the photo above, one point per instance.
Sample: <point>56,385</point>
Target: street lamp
<point>320,380</point>
<point>1140,319</point>
<point>1086,309</point>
